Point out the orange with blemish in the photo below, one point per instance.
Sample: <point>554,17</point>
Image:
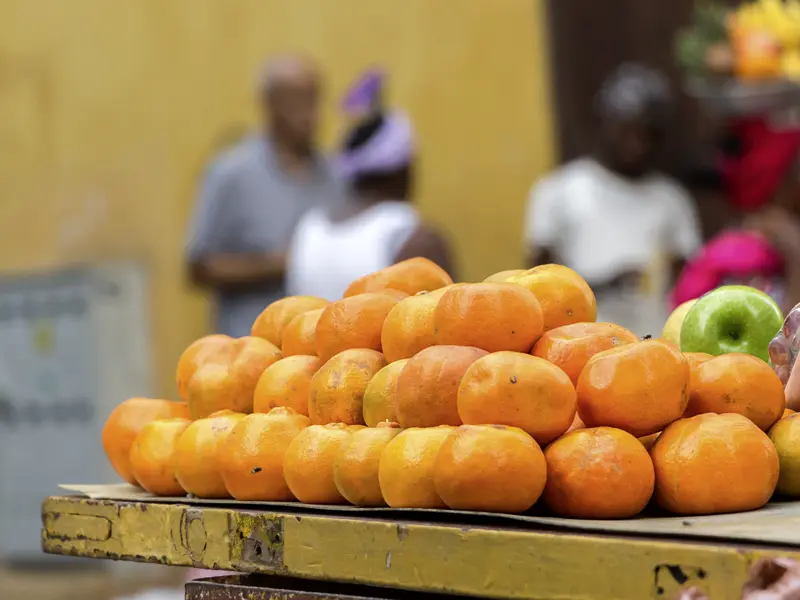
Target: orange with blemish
<point>193,357</point>
<point>251,457</point>
<point>519,390</point>
<point>737,383</point>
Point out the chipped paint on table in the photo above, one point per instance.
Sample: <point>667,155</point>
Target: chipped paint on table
<point>444,558</point>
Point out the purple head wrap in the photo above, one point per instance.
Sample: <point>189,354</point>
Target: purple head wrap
<point>391,148</point>
<point>392,145</point>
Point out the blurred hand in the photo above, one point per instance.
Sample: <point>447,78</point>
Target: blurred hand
<point>792,390</point>
<point>773,579</point>
<point>780,228</point>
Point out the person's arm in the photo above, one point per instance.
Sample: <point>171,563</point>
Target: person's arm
<point>428,243</point>
<point>543,222</point>
<point>211,262</point>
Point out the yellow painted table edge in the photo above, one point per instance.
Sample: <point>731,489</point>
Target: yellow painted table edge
<point>479,561</point>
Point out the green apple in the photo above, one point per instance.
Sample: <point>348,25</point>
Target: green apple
<point>732,318</point>
<point>672,328</point>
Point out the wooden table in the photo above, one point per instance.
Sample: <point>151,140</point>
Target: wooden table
<point>419,551</point>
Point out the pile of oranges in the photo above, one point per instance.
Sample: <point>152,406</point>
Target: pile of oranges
<point>415,392</point>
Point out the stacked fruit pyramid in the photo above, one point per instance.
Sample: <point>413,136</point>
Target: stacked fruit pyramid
<point>415,392</point>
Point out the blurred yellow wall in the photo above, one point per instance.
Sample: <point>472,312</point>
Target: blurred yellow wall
<point>109,111</point>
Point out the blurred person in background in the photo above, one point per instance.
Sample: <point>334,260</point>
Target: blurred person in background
<point>759,171</point>
<point>255,193</point>
<point>378,225</point>
<point>624,226</point>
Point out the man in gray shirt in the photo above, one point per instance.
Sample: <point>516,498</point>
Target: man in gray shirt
<point>254,194</point>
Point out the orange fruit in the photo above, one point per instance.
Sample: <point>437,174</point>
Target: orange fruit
<point>648,441</point>
<point>570,347</point>
<point>227,378</point>
<point>787,412</point>
<point>565,297</point>
<point>251,456</point>
<point>197,456</point>
<point>737,383</point>
<point>300,335</point>
<point>408,276</point>
<point>354,322</point>
<point>408,327</point>
<point>712,464</point>
<point>427,387</point>
<point>336,393</point>
<point>309,459</point>
<point>193,357</point>
<point>126,421</point>
<point>491,316</point>
<point>286,383</point>
<point>785,435</point>
<point>272,321</point>
<point>639,388</point>
<point>406,468</point>
<point>490,468</point>
<point>379,396</point>
<point>152,456</point>
<point>520,390</point>
<point>598,473</point>
<point>503,276</point>
<point>355,470</point>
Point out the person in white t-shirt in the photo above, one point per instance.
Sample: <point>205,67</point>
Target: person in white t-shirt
<point>625,227</point>
<point>378,225</point>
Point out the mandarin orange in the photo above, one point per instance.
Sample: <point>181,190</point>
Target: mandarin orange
<point>520,390</point>
<point>152,456</point>
<point>570,347</point>
<point>272,322</point>
<point>197,460</point>
<point>406,467</point>
<point>737,383</point>
<point>126,421</point>
<point>490,468</point>
<point>490,316</point>
<point>408,276</point>
<point>193,357</point>
<point>379,396</point>
<point>300,335</point>
<point>227,378</point>
<point>711,464</point>
<point>309,459</point>
<point>427,387</point>
<point>598,473</point>
<point>564,296</point>
<point>336,393</point>
<point>639,388</point>
<point>355,470</point>
<point>354,322</point>
<point>286,382</point>
<point>251,457</point>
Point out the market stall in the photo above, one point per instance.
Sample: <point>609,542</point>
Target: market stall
<point>425,551</point>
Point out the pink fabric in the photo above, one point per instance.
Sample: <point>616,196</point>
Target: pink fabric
<point>731,254</point>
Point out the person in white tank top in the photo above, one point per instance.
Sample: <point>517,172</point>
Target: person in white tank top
<point>377,226</point>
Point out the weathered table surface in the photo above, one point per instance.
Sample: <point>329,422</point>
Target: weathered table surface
<point>545,558</point>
